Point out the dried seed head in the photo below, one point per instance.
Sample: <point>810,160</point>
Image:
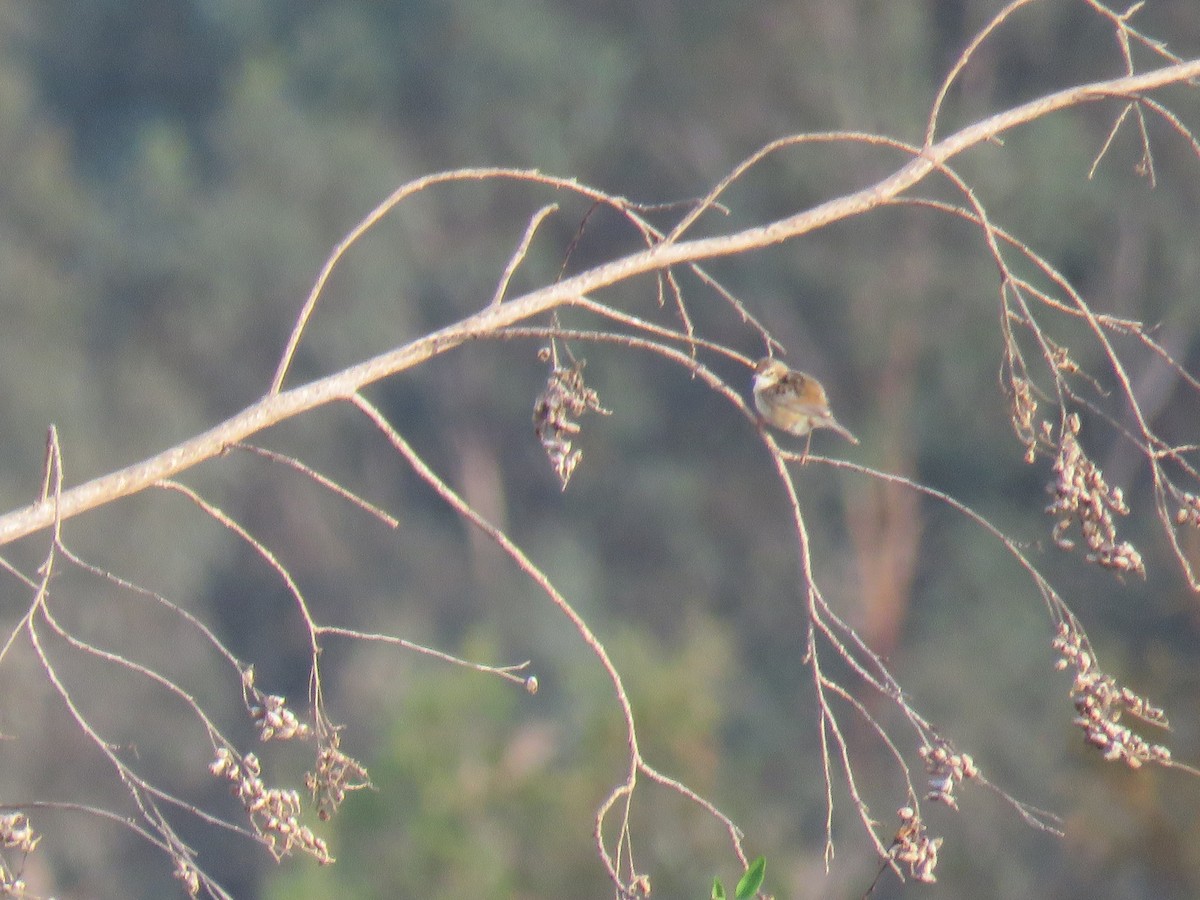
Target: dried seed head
<point>1100,702</point>
<point>563,400</point>
<point>913,847</point>
<point>946,769</point>
<point>1082,496</point>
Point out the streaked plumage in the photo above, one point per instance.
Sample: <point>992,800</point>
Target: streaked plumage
<point>793,401</point>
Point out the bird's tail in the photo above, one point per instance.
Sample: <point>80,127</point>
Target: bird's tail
<point>834,425</point>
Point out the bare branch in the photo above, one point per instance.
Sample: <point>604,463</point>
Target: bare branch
<point>521,251</point>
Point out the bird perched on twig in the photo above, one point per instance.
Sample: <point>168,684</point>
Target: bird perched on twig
<point>793,402</point>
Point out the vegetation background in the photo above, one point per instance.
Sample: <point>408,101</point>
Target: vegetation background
<point>175,173</point>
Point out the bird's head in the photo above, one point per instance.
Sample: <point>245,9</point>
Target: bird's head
<point>769,371</point>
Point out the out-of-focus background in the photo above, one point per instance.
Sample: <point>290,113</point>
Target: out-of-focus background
<point>173,176</point>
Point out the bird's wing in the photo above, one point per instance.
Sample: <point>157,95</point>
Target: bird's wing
<point>807,390</point>
<point>784,387</point>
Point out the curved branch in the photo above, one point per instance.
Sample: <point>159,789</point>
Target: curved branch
<point>275,407</point>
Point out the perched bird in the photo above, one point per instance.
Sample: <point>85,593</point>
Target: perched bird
<point>792,401</point>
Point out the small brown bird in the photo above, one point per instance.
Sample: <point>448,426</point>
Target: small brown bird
<point>792,401</point>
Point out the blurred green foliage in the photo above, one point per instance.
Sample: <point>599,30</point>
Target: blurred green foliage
<point>174,176</point>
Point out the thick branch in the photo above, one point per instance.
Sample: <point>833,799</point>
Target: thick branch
<point>277,407</point>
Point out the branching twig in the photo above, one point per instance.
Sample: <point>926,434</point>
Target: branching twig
<point>1037,366</point>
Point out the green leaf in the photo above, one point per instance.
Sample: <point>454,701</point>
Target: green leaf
<point>752,880</point>
<point>718,892</point>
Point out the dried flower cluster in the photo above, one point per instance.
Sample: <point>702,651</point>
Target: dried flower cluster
<point>336,774</point>
<point>274,813</point>
<point>15,834</point>
<point>269,711</point>
<point>1100,702</point>
<point>186,873</point>
<point>640,886</point>
<point>1024,408</point>
<point>946,770</point>
<point>275,721</point>
<point>1189,511</point>
<point>11,884</point>
<point>1081,494</point>
<point>564,399</point>
<point>913,846</point>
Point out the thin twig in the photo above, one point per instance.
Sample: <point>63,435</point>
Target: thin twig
<point>522,249</point>
<point>324,480</point>
<point>279,405</point>
<point>509,672</point>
